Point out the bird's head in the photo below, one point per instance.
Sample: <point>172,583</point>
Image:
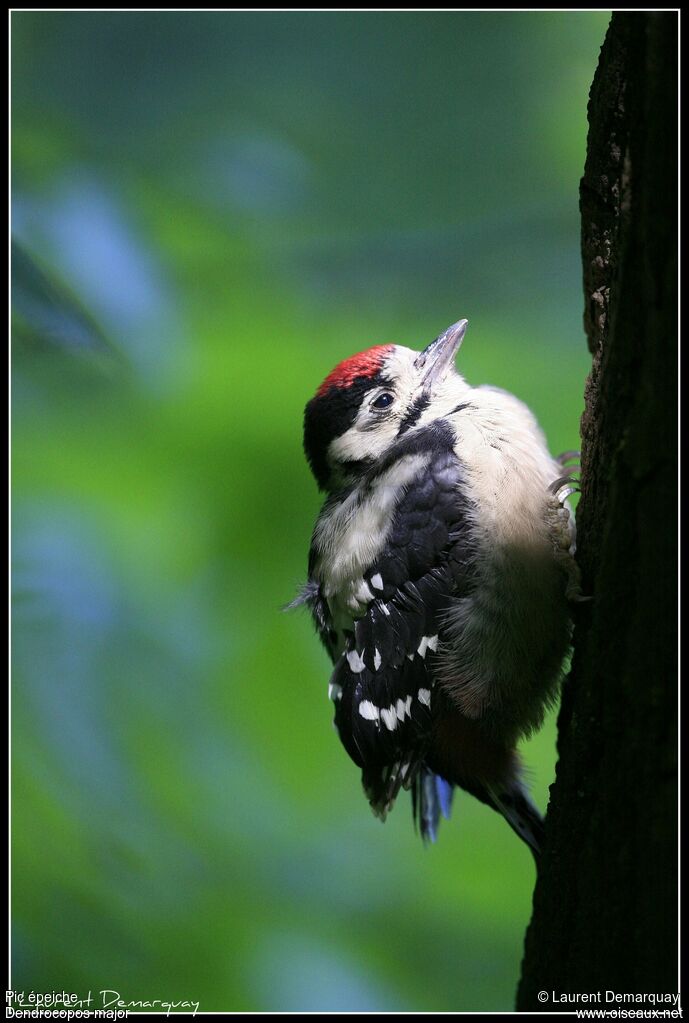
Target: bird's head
<point>370,400</point>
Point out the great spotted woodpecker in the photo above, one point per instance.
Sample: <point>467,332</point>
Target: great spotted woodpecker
<point>440,572</point>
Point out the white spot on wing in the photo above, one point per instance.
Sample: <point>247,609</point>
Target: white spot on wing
<point>356,661</point>
<point>369,710</point>
<point>377,581</point>
<point>384,608</point>
<point>403,707</point>
<point>390,718</point>
<point>425,696</point>
<point>377,660</point>
<point>427,643</point>
<point>334,691</point>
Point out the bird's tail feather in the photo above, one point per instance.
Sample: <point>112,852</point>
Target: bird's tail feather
<point>431,799</point>
<point>431,794</point>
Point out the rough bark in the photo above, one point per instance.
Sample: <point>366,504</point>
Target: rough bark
<point>605,904</point>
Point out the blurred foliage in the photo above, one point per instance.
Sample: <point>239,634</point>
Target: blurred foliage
<point>211,209</point>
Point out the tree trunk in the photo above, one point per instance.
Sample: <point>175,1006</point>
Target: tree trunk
<point>605,904</point>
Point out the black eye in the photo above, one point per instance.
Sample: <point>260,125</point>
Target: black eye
<point>383,400</point>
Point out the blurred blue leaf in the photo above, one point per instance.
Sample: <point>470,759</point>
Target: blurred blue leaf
<point>47,315</point>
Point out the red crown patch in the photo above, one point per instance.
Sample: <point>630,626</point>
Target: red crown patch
<point>365,364</point>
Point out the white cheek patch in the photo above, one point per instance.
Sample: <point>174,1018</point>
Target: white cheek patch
<point>358,443</point>
<point>372,433</point>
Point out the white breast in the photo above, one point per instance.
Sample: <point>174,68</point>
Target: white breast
<point>350,535</point>
<point>505,640</point>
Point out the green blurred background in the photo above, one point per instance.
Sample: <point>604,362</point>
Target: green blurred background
<point>211,210</point>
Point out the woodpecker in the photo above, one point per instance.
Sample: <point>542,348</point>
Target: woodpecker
<point>440,577</point>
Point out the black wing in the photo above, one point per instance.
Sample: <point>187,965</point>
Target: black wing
<point>383,681</point>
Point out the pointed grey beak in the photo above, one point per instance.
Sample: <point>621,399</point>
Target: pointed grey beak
<point>435,360</point>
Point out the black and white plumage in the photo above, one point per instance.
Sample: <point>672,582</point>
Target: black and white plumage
<point>440,571</point>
